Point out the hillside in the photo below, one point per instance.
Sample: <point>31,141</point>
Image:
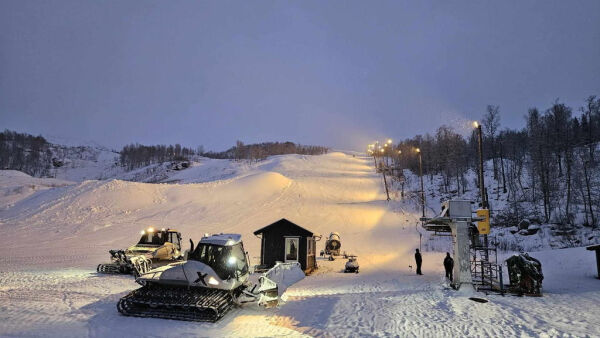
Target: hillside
<point>516,225</point>
<point>333,192</point>
<point>59,234</point>
<point>16,185</point>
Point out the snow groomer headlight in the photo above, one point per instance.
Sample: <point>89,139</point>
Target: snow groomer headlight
<point>231,260</point>
<point>213,281</point>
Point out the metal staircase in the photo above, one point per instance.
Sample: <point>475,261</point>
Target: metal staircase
<point>486,273</point>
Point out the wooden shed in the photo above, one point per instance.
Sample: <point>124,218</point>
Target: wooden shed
<point>597,249</point>
<point>285,241</point>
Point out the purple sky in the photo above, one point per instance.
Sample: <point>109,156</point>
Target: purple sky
<point>336,73</point>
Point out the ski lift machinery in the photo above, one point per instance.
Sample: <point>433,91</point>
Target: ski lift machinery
<point>456,218</point>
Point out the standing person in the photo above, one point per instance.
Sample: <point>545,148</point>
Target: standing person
<point>449,266</point>
<point>419,260</point>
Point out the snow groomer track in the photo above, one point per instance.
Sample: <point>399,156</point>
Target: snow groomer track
<point>198,304</point>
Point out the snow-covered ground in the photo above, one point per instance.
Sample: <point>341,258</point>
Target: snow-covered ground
<point>56,235</point>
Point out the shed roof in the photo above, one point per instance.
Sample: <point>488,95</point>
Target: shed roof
<point>281,222</point>
<point>594,247</point>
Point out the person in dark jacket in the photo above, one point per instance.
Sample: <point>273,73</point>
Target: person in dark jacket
<point>419,260</point>
<point>449,266</point>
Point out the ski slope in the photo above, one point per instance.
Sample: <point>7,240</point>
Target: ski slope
<point>57,234</point>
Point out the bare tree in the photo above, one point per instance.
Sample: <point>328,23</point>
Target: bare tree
<point>491,123</point>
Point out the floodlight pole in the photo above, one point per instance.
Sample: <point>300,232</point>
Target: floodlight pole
<point>484,202</point>
<point>422,185</point>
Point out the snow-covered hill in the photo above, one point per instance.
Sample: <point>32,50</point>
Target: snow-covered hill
<point>91,161</point>
<point>333,192</point>
<point>58,235</point>
<point>78,163</point>
<point>15,186</point>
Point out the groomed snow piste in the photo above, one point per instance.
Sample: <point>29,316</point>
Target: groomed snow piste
<point>55,233</point>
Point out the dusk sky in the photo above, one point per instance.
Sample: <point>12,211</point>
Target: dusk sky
<point>334,73</point>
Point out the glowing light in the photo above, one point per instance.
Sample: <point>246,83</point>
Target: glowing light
<point>213,281</point>
<point>229,242</point>
<point>418,150</point>
<point>475,124</point>
<point>231,260</point>
<point>399,151</point>
<point>163,229</point>
<point>142,232</point>
<point>389,141</point>
<point>382,150</point>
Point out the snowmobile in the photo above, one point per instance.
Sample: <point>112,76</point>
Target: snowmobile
<point>352,264</point>
<point>213,279</point>
<point>332,246</point>
<point>155,248</point>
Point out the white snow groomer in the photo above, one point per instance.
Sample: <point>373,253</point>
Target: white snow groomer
<point>155,248</point>
<point>214,278</point>
<point>332,246</point>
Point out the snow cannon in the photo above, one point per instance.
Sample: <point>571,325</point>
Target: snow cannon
<point>204,288</point>
<point>333,245</point>
<point>155,248</point>
<point>525,275</point>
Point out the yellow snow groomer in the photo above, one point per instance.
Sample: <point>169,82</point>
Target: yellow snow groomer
<point>155,248</point>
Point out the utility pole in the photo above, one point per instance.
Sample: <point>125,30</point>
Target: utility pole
<point>484,200</point>
<point>422,194</point>
<point>422,186</point>
<point>400,173</point>
<point>374,159</point>
<point>387,192</point>
<point>383,170</point>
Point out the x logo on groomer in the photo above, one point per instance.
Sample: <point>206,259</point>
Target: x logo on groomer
<point>201,277</point>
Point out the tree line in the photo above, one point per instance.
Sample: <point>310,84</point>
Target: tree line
<point>35,156</point>
<point>260,151</point>
<point>550,166</point>
<point>137,155</point>
<point>27,153</point>
<point>134,156</point>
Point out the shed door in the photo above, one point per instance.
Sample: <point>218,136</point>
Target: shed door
<point>292,247</point>
<point>310,246</point>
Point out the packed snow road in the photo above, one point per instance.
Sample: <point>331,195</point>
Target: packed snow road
<point>56,234</point>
